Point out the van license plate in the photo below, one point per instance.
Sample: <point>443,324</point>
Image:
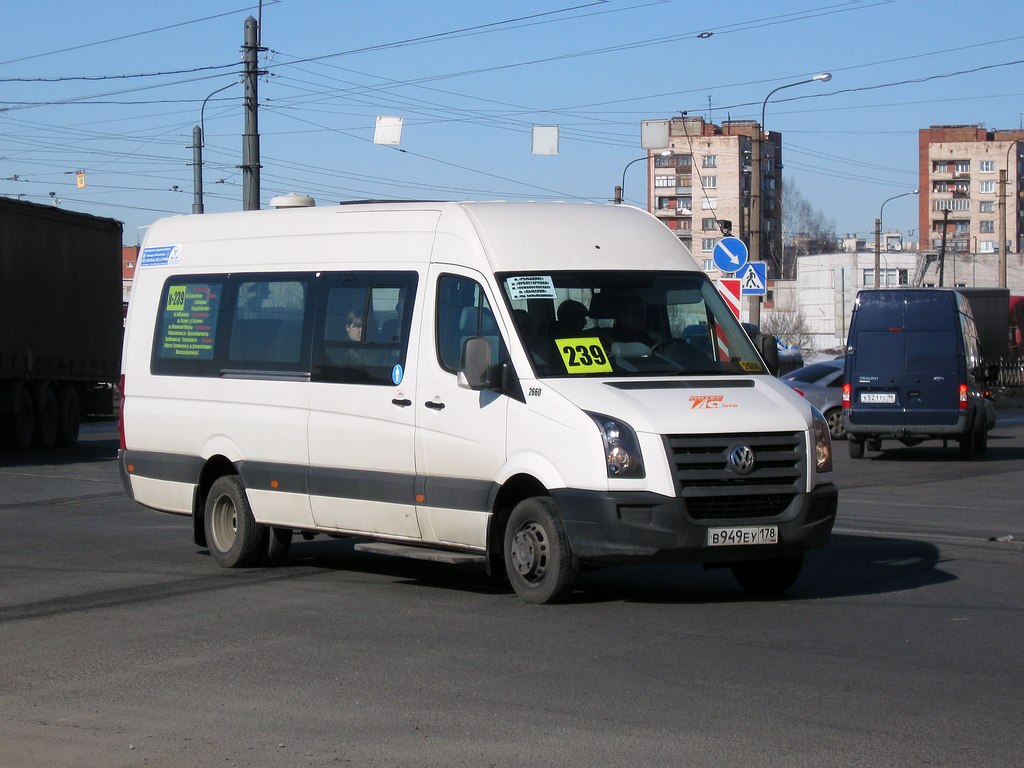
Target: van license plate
<point>878,397</point>
<point>739,535</point>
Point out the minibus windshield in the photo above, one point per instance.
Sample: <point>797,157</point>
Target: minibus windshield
<point>627,323</point>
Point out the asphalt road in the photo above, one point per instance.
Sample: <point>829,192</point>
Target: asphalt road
<point>123,644</point>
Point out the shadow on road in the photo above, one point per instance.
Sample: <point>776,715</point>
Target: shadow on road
<point>849,566</point>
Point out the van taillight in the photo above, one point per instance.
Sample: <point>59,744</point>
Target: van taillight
<point>120,412</point>
<point>846,396</point>
<point>963,397</point>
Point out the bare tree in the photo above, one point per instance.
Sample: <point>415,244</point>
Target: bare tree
<point>806,228</point>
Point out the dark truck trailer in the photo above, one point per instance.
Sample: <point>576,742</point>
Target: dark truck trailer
<point>60,321</point>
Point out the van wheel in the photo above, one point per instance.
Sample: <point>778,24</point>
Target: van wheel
<point>538,557</point>
<point>981,437</point>
<point>767,578</point>
<point>234,538</point>
<point>968,443</point>
<point>856,448</point>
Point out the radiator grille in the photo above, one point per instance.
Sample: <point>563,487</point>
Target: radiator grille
<point>714,491</point>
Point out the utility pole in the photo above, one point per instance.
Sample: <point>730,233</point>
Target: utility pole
<point>754,246</point>
<point>942,248</point>
<point>197,169</point>
<point>251,136</point>
<point>1002,228</point>
<point>878,251</point>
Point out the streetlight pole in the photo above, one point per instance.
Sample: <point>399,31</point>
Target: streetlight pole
<point>878,233</point>
<point>758,188</point>
<point>619,189</point>
<point>622,186</point>
<point>1002,212</point>
<point>198,141</point>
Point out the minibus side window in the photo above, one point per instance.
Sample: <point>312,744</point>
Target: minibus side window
<point>362,327</point>
<point>267,324</point>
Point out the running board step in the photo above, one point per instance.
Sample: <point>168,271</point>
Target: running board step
<point>448,556</point>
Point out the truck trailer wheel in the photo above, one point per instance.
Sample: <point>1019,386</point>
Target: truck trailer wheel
<point>69,416</point>
<point>19,424</point>
<point>232,534</point>
<point>538,557</point>
<point>46,416</point>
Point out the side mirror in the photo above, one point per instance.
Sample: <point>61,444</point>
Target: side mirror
<point>476,364</point>
<point>768,348</point>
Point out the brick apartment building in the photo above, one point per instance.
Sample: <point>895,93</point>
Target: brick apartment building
<point>961,169</point>
<point>706,177</point>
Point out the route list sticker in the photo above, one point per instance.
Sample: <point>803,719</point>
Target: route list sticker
<point>189,318</point>
<point>524,287</point>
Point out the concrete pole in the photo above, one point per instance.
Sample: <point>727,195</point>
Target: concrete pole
<point>878,251</point>
<point>1002,228</point>
<point>197,169</point>
<point>251,136</point>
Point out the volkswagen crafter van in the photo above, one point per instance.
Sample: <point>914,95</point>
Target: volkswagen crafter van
<point>533,386</point>
<point>914,371</point>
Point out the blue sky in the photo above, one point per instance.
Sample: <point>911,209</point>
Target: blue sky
<point>114,89</point>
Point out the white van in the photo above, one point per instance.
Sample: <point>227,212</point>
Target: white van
<point>536,386</point>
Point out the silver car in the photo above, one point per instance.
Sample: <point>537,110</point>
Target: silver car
<point>822,385</point>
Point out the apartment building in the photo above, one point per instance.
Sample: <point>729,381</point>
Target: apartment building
<point>705,178</point>
<point>961,169</point>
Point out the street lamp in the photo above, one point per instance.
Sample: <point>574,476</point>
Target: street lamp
<point>758,184</point>
<point>619,189</point>
<point>878,231</point>
<point>198,141</point>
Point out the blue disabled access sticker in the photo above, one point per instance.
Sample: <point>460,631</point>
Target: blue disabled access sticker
<point>396,374</point>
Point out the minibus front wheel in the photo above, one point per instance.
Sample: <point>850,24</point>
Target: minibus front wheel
<point>234,538</point>
<point>538,557</point>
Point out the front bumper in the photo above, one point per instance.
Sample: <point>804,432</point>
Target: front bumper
<point>607,527</point>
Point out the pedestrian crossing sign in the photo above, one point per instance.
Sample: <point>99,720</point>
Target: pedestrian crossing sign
<point>754,279</point>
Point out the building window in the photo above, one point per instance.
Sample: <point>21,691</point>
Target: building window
<point>988,166</point>
<point>986,226</point>
<point>986,206</point>
<point>664,181</point>
<point>708,264</point>
<point>709,203</point>
<point>708,224</point>
<point>887,277</point>
<point>710,161</point>
<point>707,244</point>
<point>986,246</point>
<point>988,187</point>
<point>956,204</point>
<point>709,182</point>
<point>962,166</point>
<point>663,162</point>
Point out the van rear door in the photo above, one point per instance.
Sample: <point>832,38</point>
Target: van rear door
<point>877,371</point>
<point>933,349</point>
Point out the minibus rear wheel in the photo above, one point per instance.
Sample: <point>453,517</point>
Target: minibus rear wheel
<point>234,538</point>
<point>538,557</point>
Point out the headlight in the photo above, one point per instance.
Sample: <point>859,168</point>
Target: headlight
<point>621,448</point>
<point>822,443</point>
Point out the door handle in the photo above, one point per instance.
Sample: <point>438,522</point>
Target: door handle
<point>402,403</point>
<point>434,406</point>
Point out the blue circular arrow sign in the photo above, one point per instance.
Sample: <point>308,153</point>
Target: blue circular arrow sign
<point>730,254</point>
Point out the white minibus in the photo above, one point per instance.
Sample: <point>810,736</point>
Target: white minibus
<point>533,386</point>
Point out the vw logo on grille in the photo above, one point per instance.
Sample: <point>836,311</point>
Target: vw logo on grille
<point>741,459</point>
